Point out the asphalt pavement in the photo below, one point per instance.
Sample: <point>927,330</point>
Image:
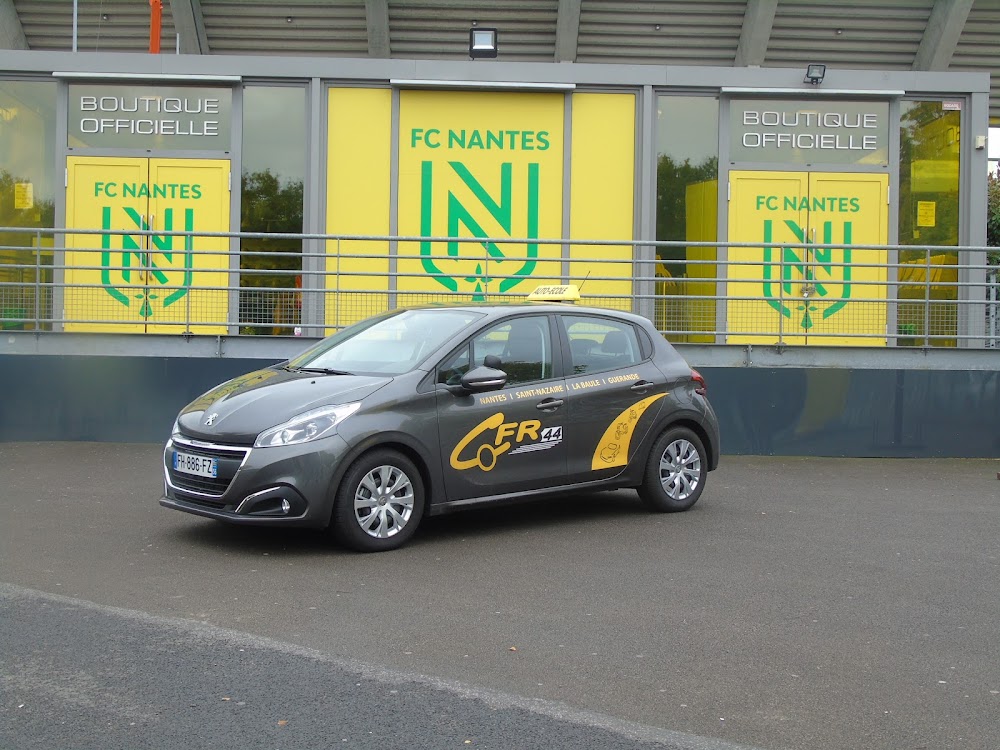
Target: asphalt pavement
<point>819,604</point>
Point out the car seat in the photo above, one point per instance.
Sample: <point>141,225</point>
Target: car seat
<point>524,352</point>
<point>615,350</point>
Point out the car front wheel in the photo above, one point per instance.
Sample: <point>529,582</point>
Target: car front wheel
<point>379,503</point>
<point>676,471</point>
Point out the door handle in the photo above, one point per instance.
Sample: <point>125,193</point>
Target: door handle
<point>642,385</point>
<point>549,404</point>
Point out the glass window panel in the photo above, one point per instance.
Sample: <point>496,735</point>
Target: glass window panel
<point>687,169</point>
<point>523,347</point>
<point>27,200</point>
<point>928,216</point>
<point>274,169</point>
<point>391,345</point>
<point>599,344</point>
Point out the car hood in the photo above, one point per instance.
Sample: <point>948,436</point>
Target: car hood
<point>242,408</point>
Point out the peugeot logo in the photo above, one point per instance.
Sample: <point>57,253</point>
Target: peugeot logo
<point>210,419</point>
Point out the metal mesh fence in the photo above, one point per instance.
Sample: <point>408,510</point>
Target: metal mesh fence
<point>102,282</point>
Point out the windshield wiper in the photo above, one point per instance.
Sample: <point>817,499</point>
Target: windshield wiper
<point>320,370</point>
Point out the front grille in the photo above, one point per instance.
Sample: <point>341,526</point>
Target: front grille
<point>204,502</point>
<point>229,458</point>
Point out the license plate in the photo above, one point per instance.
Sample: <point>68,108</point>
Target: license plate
<point>200,465</point>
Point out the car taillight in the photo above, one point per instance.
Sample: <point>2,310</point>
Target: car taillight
<point>702,389</point>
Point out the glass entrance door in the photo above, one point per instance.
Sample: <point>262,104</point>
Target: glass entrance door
<point>788,289</point>
<point>147,283</point>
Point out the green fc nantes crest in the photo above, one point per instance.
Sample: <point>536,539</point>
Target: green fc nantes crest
<point>471,208</point>
<point>806,283</point>
<point>153,278</point>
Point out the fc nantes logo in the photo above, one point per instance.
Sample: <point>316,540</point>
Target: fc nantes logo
<point>510,209</point>
<point>152,278</point>
<point>803,282</point>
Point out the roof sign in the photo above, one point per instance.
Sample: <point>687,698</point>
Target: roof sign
<point>562,293</point>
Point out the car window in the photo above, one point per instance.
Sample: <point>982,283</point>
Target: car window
<point>390,344</point>
<point>522,345</point>
<point>598,344</point>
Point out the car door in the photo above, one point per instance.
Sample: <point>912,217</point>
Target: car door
<point>613,391</point>
<point>512,439</point>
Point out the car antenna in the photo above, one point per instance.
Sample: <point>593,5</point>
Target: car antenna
<point>580,288</point>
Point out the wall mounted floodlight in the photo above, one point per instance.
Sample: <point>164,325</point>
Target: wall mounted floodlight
<point>482,43</point>
<point>814,74</point>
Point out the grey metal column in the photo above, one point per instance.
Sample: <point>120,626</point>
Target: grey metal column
<point>892,256</point>
<point>567,177</point>
<point>11,32</point>
<point>972,281</point>
<point>313,217</point>
<point>190,25</point>
<point>235,210</point>
<point>60,182</point>
<point>644,266</point>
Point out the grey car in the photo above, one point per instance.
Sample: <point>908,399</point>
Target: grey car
<point>428,410</point>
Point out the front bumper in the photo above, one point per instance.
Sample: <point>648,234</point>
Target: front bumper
<point>281,486</point>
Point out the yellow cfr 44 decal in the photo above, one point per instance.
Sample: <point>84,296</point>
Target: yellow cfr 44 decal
<point>487,454</point>
<point>612,450</point>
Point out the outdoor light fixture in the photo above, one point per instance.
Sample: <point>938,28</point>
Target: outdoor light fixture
<point>814,74</point>
<point>482,43</point>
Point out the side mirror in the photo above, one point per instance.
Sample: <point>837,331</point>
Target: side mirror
<point>483,379</point>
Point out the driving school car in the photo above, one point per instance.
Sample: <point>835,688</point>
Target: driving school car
<point>427,410</point>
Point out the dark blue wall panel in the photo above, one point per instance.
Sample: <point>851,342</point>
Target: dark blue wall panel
<point>860,413</point>
<point>786,411</point>
<point>113,399</point>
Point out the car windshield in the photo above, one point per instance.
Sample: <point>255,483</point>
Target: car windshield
<point>386,345</point>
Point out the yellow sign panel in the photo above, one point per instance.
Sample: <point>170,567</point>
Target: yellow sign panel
<point>478,165</point>
<point>154,283</point>
<point>24,196</point>
<point>787,288</point>
<point>358,201</point>
<point>926,213</point>
<point>557,293</point>
<point>602,195</point>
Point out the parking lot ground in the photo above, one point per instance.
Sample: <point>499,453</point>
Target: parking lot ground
<point>803,603</point>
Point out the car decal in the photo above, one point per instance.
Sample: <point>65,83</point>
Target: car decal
<point>550,438</point>
<point>527,435</point>
<point>613,447</point>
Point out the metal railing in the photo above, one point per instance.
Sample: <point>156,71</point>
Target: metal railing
<point>76,280</point>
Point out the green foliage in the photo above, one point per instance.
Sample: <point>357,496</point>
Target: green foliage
<point>922,139</point>
<point>269,205</point>
<point>672,179</point>
<point>42,214</point>
<point>993,215</point>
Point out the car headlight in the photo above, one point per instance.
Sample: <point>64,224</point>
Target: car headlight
<point>307,426</point>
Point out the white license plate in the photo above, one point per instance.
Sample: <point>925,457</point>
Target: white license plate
<point>200,465</point>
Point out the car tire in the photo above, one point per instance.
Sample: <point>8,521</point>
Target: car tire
<point>675,472</point>
<point>379,503</point>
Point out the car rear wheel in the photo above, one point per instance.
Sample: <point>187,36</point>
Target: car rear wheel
<point>379,503</point>
<point>675,472</point>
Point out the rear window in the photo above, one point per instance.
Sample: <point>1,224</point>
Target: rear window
<point>599,344</point>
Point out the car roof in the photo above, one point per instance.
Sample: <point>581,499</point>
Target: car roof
<point>500,310</point>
